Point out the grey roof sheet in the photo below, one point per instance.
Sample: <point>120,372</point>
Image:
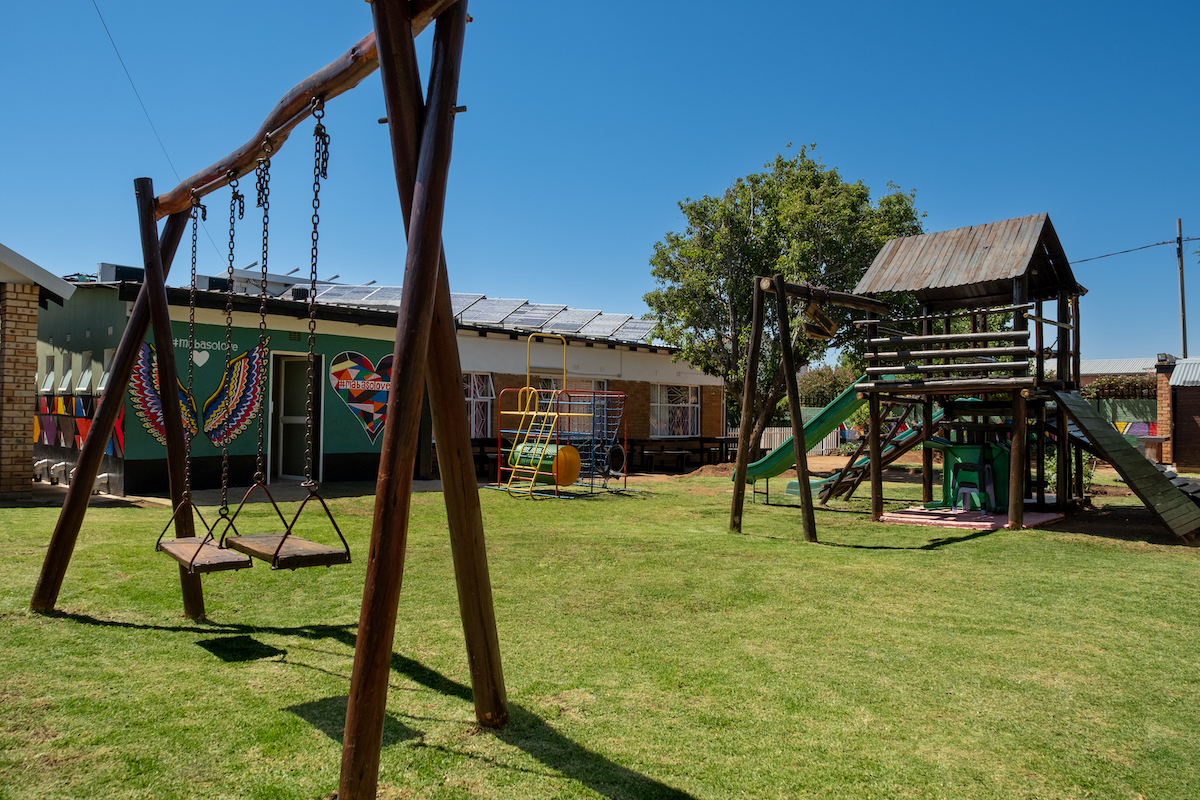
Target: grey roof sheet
<point>1117,366</point>
<point>1186,373</point>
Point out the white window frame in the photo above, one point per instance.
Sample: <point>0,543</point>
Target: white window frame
<point>479,396</point>
<point>85,374</point>
<point>48,381</point>
<point>109,354</point>
<point>668,416</point>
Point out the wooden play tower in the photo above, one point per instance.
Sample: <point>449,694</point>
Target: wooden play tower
<point>992,356</point>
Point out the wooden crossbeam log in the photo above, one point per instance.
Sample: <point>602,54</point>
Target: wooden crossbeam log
<point>337,77</point>
<point>925,369</point>
<point>962,352</point>
<point>950,338</point>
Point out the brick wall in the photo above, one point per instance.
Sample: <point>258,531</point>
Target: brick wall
<point>1165,415</point>
<point>18,375</point>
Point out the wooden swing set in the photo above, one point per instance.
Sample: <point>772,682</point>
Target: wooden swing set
<point>421,134</point>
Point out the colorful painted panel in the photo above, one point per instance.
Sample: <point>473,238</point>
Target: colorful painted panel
<point>363,387</point>
<point>227,412</point>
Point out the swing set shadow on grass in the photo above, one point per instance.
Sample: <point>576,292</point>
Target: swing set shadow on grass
<point>526,731</point>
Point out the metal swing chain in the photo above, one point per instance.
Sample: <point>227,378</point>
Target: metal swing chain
<point>198,212</point>
<point>237,208</point>
<point>263,185</point>
<point>320,168</point>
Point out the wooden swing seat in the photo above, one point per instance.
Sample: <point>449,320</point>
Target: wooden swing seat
<point>199,555</point>
<point>295,553</point>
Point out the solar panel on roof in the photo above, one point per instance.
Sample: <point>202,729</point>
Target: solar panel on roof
<point>461,302</point>
<point>570,320</point>
<point>531,316</point>
<point>604,325</point>
<point>344,294</point>
<point>387,295</point>
<point>490,310</point>
<point>635,330</point>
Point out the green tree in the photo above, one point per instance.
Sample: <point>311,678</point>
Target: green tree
<point>799,218</point>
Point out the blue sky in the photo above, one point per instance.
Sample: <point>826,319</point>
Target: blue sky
<point>587,123</point>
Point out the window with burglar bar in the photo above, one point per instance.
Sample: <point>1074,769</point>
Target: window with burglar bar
<point>479,394</point>
<point>674,410</point>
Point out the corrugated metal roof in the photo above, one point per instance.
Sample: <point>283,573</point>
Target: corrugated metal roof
<point>1186,373</point>
<point>1117,366</point>
<point>973,266</point>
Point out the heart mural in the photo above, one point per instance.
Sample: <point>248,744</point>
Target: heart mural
<point>363,387</point>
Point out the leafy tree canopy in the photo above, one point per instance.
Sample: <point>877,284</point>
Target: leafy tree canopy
<point>797,217</point>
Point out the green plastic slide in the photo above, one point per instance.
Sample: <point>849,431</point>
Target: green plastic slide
<point>783,458</point>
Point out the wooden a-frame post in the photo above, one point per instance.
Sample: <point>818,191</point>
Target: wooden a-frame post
<point>177,442</point>
<point>91,454</point>
<point>425,326</point>
<point>799,442</point>
<point>746,426</point>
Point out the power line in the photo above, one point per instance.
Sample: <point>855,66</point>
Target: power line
<point>147,113</point>
<point>135,91</point>
<point>1133,250</point>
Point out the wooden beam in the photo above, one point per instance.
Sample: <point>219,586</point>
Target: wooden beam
<point>876,455</point>
<point>799,444</point>
<point>1016,465</point>
<point>746,426</point>
<point>949,338</point>
<point>91,455</point>
<point>948,386</point>
<point>366,706</point>
<point>337,77</point>
<point>972,312</point>
<point>405,107</point>
<point>844,299</point>
<point>961,352</point>
<point>975,366</point>
<point>164,340</point>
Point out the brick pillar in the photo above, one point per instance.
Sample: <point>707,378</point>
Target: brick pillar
<point>18,376</point>
<point>1165,415</point>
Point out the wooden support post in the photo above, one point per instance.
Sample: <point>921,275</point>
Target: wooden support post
<point>366,706</point>
<point>444,383</point>
<point>1064,376</point>
<point>1039,333</point>
<point>876,456</point>
<point>1076,378</point>
<point>164,340</point>
<point>874,453</point>
<point>799,444</point>
<point>91,455</point>
<point>1064,340</point>
<point>927,421</point>
<point>1062,478</point>
<point>1041,457</point>
<point>1017,467</point>
<point>746,427</point>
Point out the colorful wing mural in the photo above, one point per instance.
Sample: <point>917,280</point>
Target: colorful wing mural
<point>232,408</point>
<point>143,387</point>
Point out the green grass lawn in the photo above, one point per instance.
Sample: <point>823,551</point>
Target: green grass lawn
<point>648,653</point>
